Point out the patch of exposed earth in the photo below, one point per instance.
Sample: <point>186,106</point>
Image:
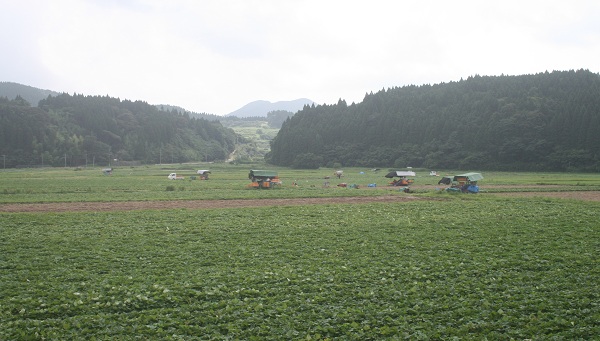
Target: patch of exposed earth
<point>195,204</point>
<point>242,203</point>
<point>576,195</point>
<point>530,192</point>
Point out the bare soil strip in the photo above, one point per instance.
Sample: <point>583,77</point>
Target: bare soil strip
<point>241,203</point>
<point>576,195</point>
<point>193,204</point>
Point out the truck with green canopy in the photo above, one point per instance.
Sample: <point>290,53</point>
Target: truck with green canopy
<point>264,179</point>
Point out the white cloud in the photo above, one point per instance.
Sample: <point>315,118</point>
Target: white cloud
<point>210,56</point>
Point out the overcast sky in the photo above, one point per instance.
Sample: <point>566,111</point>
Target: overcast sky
<point>215,56</point>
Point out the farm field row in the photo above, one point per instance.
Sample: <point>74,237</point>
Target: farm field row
<point>470,267</point>
<point>230,182</point>
<point>216,260</point>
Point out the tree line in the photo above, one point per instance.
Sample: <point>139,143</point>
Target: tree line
<point>75,130</point>
<point>547,121</point>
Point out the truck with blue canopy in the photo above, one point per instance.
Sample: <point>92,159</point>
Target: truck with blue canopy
<point>466,183</point>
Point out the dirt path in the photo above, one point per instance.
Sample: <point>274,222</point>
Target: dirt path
<point>577,195</point>
<point>235,203</point>
<point>194,204</point>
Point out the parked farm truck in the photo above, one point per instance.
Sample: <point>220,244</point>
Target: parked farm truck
<point>174,176</point>
<point>203,174</point>
<point>465,183</point>
<point>403,178</point>
<point>264,179</point>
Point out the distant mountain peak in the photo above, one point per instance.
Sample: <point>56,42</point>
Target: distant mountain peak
<point>261,108</point>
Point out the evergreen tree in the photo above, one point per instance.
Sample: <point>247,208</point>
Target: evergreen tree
<point>504,122</point>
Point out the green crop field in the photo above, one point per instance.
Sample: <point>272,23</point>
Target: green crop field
<point>446,267</point>
<point>229,182</point>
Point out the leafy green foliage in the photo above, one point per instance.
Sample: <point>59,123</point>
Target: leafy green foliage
<point>254,136</point>
<point>464,266</point>
<point>307,161</point>
<point>79,130</point>
<point>468,269</point>
<point>229,181</point>
<point>547,121</point>
<point>277,117</point>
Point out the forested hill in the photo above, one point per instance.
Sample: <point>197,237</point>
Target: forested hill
<point>546,121</point>
<point>28,93</point>
<point>78,130</point>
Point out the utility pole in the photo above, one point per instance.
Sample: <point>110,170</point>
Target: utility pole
<point>4,159</point>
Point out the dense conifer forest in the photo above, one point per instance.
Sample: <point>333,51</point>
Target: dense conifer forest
<point>76,130</point>
<point>547,121</point>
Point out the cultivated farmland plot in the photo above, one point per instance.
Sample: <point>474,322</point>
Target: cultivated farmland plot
<point>229,182</point>
<point>441,266</point>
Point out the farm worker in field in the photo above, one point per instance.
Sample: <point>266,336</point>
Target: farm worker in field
<point>473,188</point>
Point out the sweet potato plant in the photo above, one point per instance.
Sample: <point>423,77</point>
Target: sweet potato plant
<point>458,268</point>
